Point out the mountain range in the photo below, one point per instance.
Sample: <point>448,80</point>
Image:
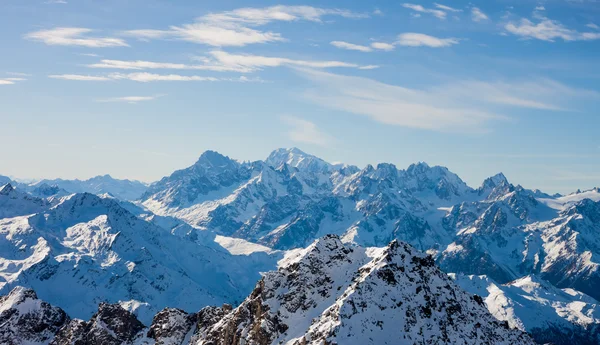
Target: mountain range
<point>205,234</point>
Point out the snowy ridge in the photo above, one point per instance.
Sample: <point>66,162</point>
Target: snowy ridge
<point>207,231</point>
<point>337,294</point>
<point>534,305</point>
<point>102,251</point>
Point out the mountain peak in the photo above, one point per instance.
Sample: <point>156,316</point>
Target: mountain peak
<point>6,189</point>
<point>213,159</point>
<point>297,158</point>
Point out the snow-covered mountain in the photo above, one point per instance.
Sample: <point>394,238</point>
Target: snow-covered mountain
<point>549,314</point>
<point>103,252</point>
<point>230,220</point>
<point>14,202</point>
<point>328,293</point>
<point>331,293</point>
<point>102,184</point>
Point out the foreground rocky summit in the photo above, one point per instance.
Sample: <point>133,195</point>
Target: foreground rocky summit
<point>328,293</point>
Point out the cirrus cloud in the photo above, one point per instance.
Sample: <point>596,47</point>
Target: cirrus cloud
<point>238,27</point>
<point>66,36</point>
<point>412,39</point>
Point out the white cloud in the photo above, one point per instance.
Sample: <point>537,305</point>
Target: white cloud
<point>144,77</point>
<point>142,65</point>
<point>418,8</point>
<point>447,8</point>
<point>548,30</point>
<point>304,131</point>
<point>131,99</point>
<point>378,12</point>
<point>221,61</point>
<point>223,36</point>
<point>462,106</point>
<point>74,37</point>
<point>350,46</point>
<point>79,77</point>
<point>60,2</point>
<point>477,15</point>
<point>367,67</point>
<point>593,26</point>
<point>235,28</point>
<point>257,62</point>
<point>421,40</point>
<point>12,80</point>
<point>89,54</point>
<point>540,8</point>
<point>382,46</point>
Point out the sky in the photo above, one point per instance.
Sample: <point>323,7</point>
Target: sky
<point>140,88</point>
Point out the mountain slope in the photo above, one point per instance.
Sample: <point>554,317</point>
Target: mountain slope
<point>334,294</point>
<point>14,202</point>
<point>105,253</point>
<point>561,317</point>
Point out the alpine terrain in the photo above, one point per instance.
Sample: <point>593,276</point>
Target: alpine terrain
<point>341,254</point>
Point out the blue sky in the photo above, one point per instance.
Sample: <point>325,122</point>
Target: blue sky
<point>138,89</point>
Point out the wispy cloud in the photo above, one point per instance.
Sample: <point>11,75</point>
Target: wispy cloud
<point>144,77</point>
<point>477,15</point>
<point>419,8</point>
<point>257,62</point>
<point>447,8</point>
<point>409,39</point>
<point>239,27</point>
<point>11,80</point>
<point>56,2</point>
<point>88,54</point>
<point>74,37</point>
<point>382,46</point>
<point>412,39</point>
<point>548,30</point>
<point>350,46</point>
<point>79,77</point>
<point>461,106</point>
<point>130,99</point>
<point>221,61</point>
<point>593,26</point>
<point>304,131</point>
<point>143,65</point>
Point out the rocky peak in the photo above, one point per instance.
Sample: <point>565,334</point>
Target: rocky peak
<point>111,325</point>
<point>588,208</point>
<point>6,189</point>
<point>296,158</point>
<point>212,159</point>
<point>24,319</point>
<point>370,296</point>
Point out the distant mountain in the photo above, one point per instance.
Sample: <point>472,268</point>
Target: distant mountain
<point>14,202</point>
<point>549,314</point>
<point>105,184</point>
<point>207,231</point>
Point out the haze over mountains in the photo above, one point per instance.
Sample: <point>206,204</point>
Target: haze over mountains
<point>205,234</point>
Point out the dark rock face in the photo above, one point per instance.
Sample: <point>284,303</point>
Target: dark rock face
<point>111,325</point>
<point>24,319</point>
<point>171,326</point>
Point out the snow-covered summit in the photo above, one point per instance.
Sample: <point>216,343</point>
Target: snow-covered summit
<point>337,294</point>
<point>296,158</point>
